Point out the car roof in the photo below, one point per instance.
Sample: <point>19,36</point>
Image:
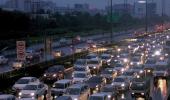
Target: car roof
<point>27,77</point>
<point>77,85</point>
<point>34,83</point>
<point>64,98</point>
<point>63,81</point>
<point>83,72</point>
<point>99,94</point>
<point>105,54</point>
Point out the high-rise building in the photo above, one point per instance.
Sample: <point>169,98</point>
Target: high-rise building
<point>140,9</point>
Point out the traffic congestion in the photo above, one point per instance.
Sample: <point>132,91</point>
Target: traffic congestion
<point>135,69</point>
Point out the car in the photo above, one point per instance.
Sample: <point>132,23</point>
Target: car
<point>64,98</point>
<point>135,61</point>
<point>162,62</point>
<point>94,65</point>
<point>140,88</point>
<point>58,53</point>
<point>149,66</point>
<point>110,91</point>
<point>80,76</point>
<point>80,63</point>
<point>59,87</point>
<point>63,41</point>
<point>99,96</point>
<point>95,83</point>
<point>120,68</point>
<point>121,83</point>
<point>139,70</point>
<point>33,91</point>
<point>109,74</point>
<point>22,82</point>
<point>7,97</point>
<point>160,72</point>
<point>3,59</point>
<point>17,64</point>
<point>129,74</point>
<point>78,92</point>
<point>54,73</point>
<point>106,59</point>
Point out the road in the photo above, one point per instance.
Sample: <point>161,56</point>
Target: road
<point>66,50</point>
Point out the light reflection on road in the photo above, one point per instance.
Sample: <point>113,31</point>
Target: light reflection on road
<point>163,87</point>
<point>140,99</point>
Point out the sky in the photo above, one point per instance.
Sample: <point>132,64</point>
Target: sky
<point>102,3</point>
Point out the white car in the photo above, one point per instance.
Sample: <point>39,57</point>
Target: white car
<point>33,91</point>
<point>106,58</point>
<point>80,76</point>
<point>120,83</point>
<point>3,60</point>
<point>59,87</point>
<point>22,82</point>
<point>78,92</point>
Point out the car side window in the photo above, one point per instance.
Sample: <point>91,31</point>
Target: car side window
<point>41,86</point>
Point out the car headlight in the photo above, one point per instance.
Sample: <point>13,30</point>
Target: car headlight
<point>138,63</point>
<point>94,67</point>
<point>32,94</point>
<point>131,63</point>
<point>122,85</point>
<point>138,76</point>
<point>45,75</point>
<point>75,99</point>
<point>148,71</point>
<point>54,75</point>
<point>141,71</point>
<point>122,69</point>
<point>133,93</point>
<point>142,93</point>
<point>109,96</point>
<point>20,93</point>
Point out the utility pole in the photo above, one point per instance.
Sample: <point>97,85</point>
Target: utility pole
<point>111,20</point>
<point>146,17</point>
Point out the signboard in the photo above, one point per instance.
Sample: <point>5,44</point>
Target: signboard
<point>21,52</point>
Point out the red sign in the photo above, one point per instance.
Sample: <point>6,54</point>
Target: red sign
<point>21,54</point>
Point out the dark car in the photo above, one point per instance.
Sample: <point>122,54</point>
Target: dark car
<point>54,73</point>
<point>95,83</point>
<point>140,88</point>
<point>64,98</point>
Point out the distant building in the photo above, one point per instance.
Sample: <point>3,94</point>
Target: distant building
<point>140,9</point>
<point>27,6</point>
<point>121,9</point>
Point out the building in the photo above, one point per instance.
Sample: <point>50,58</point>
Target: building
<point>140,9</point>
<point>28,6</point>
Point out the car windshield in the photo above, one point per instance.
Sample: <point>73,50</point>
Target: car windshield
<point>95,80</point>
<point>80,62</point>
<point>96,98</point>
<point>107,89</point>
<point>135,59</point>
<point>79,69</point>
<point>128,73</point>
<point>52,70</point>
<point>138,86</point>
<point>150,62</point>
<point>79,75</point>
<point>118,65</point>
<point>91,56</point>
<point>105,57</point>
<point>31,87</point>
<point>107,72</point>
<point>59,86</point>
<point>161,68</point>
<point>22,81</point>
<point>119,80</point>
<point>73,91</point>
<point>92,62</point>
